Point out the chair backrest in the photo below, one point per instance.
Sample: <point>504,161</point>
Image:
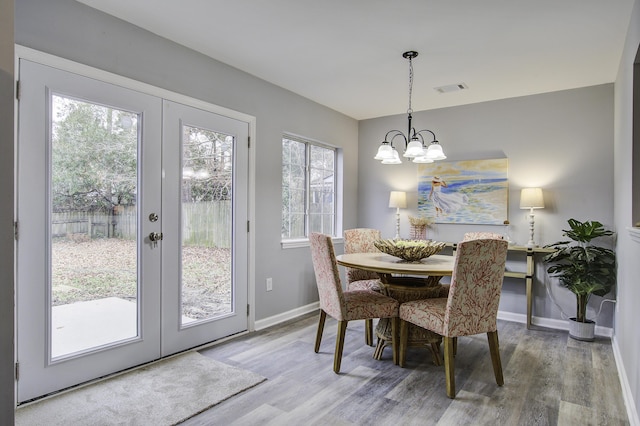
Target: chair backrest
<point>476,283</point>
<point>360,240</point>
<point>327,276</point>
<point>482,236</point>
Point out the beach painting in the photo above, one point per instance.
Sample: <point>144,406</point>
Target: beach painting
<point>470,192</point>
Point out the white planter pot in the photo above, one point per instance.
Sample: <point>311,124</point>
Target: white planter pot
<point>584,331</point>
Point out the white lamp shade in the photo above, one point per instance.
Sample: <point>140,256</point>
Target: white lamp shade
<point>414,149</point>
<point>422,160</point>
<point>434,152</point>
<point>395,159</point>
<point>531,198</point>
<point>385,152</point>
<point>398,199</point>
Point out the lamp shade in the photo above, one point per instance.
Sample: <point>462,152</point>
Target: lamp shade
<point>394,159</point>
<point>531,198</point>
<point>398,199</point>
<point>414,149</point>
<point>385,152</point>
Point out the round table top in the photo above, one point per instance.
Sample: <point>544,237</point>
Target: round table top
<point>437,264</point>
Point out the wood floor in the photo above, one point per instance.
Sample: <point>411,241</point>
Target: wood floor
<point>550,379</point>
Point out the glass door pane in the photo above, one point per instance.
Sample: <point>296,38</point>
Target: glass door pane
<point>206,199</point>
<point>93,226</point>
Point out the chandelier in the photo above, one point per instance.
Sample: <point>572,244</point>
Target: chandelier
<point>414,140</point>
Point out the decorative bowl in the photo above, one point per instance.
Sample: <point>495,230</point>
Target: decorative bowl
<point>409,250</point>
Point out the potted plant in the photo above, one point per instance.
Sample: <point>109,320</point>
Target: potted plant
<point>583,268</point>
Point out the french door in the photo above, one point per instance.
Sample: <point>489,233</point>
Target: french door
<point>132,241</point>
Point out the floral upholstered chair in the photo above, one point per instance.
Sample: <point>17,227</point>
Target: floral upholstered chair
<point>471,307</point>
<point>344,306</point>
<point>481,236</point>
<point>360,240</point>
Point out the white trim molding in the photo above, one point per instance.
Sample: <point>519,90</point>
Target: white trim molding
<point>634,233</point>
<point>557,324</point>
<point>286,316</point>
<point>627,395</point>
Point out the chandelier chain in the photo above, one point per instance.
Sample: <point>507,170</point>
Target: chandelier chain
<point>410,110</point>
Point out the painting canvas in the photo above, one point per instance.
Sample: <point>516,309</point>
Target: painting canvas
<point>472,191</point>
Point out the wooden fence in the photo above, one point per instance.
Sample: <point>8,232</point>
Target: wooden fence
<point>205,224</point>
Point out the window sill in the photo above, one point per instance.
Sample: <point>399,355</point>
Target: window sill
<point>304,242</point>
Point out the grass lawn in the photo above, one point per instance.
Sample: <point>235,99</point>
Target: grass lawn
<point>86,269</point>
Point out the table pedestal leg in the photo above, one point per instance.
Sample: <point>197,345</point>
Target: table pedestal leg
<point>405,289</point>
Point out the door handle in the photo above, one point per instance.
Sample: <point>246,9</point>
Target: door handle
<point>154,237</point>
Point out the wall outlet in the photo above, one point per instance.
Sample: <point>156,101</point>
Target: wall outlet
<point>269,284</point>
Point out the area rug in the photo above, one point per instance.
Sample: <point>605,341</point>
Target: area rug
<point>162,393</point>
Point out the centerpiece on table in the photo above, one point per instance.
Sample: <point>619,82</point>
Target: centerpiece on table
<point>409,250</point>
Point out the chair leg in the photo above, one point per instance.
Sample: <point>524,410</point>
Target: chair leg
<point>337,357</point>
<point>404,337</point>
<point>449,367</point>
<point>323,316</point>
<point>455,346</point>
<point>395,333</point>
<point>368,332</point>
<point>494,348</point>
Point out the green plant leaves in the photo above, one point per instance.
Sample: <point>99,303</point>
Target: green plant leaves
<point>584,232</point>
<point>582,268</point>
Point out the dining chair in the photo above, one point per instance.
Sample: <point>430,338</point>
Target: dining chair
<point>471,307</point>
<point>344,306</point>
<point>360,240</point>
<point>482,235</point>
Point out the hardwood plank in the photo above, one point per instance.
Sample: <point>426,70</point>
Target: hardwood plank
<point>545,374</point>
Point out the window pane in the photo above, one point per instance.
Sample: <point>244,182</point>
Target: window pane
<point>315,223</point>
<point>298,178</point>
<point>307,182</point>
<point>328,224</point>
<point>297,226</point>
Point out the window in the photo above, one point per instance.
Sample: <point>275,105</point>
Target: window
<point>308,188</point>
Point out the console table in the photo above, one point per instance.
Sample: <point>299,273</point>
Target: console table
<point>527,275</point>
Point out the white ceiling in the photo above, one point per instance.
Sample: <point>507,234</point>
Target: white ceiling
<point>347,54</point>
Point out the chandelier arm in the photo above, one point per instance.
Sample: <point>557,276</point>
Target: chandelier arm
<point>395,134</point>
<point>427,130</point>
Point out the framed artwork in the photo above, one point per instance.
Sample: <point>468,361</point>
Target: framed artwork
<point>470,192</point>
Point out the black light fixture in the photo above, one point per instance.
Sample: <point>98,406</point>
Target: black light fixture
<point>414,140</point>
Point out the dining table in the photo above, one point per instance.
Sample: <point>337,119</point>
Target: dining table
<point>405,281</point>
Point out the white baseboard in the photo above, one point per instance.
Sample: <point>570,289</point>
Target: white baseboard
<point>557,324</point>
<point>286,316</point>
<point>502,315</point>
<point>627,395</point>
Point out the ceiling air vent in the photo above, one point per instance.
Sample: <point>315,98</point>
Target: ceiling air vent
<point>451,88</point>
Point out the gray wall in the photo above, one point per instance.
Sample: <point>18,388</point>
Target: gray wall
<point>74,31</point>
<point>559,141</point>
<point>7,396</point>
<point>627,332</point>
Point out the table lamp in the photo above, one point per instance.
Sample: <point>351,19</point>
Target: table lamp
<point>531,198</point>
<point>398,199</point>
